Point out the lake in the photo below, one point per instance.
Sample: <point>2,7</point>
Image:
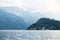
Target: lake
<point>29,35</point>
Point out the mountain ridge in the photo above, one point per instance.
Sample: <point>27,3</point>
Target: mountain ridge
<point>28,16</point>
<point>11,21</point>
<point>45,24</point>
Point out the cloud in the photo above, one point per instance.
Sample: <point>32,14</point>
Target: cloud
<point>42,5</point>
<point>48,7</point>
<point>17,3</point>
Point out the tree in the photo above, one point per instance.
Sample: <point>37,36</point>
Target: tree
<point>45,24</point>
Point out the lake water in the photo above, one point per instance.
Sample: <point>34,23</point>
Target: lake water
<point>29,35</point>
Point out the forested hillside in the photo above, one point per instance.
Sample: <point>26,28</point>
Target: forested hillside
<point>45,24</point>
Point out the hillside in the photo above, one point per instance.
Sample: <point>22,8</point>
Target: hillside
<point>11,21</point>
<point>29,17</point>
<point>45,24</point>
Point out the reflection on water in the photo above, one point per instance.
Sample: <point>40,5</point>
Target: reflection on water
<point>29,35</point>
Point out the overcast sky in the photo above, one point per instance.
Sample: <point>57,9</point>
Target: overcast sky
<point>49,7</point>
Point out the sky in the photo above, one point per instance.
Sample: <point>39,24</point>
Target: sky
<point>49,7</point>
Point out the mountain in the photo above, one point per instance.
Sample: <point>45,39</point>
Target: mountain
<point>28,16</point>
<point>11,21</point>
<point>45,24</point>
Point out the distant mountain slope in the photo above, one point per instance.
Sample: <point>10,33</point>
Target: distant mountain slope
<point>45,24</point>
<point>28,16</point>
<point>11,21</point>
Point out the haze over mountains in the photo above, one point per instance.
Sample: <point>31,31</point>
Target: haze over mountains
<point>17,18</point>
<point>11,21</point>
<point>28,16</point>
<point>20,19</point>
